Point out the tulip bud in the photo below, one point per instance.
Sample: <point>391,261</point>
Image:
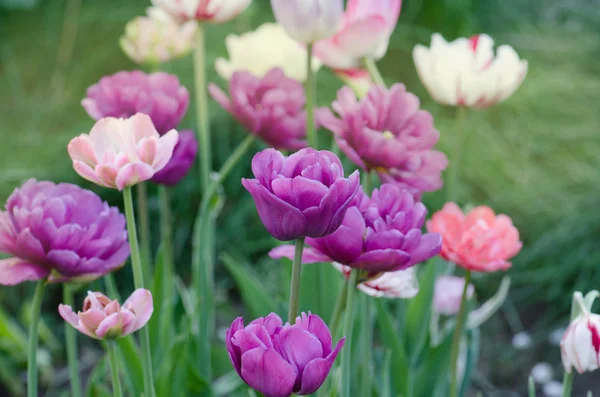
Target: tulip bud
<point>309,20</point>
<point>580,345</point>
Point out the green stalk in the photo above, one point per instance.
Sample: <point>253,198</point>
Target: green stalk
<point>374,72</point>
<point>202,108</point>
<point>32,380</point>
<point>295,282</point>
<point>460,322</point>
<point>310,88</point>
<point>168,270</point>
<point>138,279</point>
<point>348,325</point>
<point>366,182</point>
<point>71,342</point>
<point>340,304</point>
<point>114,368</point>
<point>144,225</point>
<point>455,160</point>
<point>366,347</point>
<point>567,384</point>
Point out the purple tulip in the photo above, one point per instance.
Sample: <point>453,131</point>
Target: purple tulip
<point>122,95</point>
<point>303,195</point>
<point>378,234</point>
<point>61,232</point>
<point>270,107</point>
<point>278,360</point>
<point>181,162</point>
<point>388,133</point>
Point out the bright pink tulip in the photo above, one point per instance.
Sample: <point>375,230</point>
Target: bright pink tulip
<point>103,318</point>
<point>121,152</point>
<point>480,240</point>
<point>366,29</point>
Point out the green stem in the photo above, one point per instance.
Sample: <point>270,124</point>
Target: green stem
<point>455,159</point>
<point>374,72</point>
<point>111,286</point>
<point>567,384</point>
<point>310,88</point>
<point>36,308</point>
<point>202,108</point>
<point>144,225</point>
<point>460,322</point>
<point>348,325</point>
<point>295,282</point>
<point>366,182</point>
<point>367,346</point>
<point>168,261</point>
<point>71,342</point>
<point>114,368</point>
<point>338,310</point>
<point>138,280</point>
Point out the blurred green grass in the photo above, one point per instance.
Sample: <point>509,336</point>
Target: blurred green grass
<point>534,157</point>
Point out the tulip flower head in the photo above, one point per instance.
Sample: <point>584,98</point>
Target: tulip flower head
<point>119,153</point>
<point>260,51</point>
<point>180,11</point>
<point>387,132</point>
<point>307,21</point>
<point>272,107</point>
<point>365,33</point>
<point>123,94</point>
<point>378,234</point>
<point>580,344</point>
<point>148,41</point>
<point>448,294</point>
<point>184,156</point>
<point>303,195</point>
<point>401,284</point>
<point>102,318</point>
<point>465,72</point>
<point>60,232</point>
<point>278,360</point>
<point>480,240</point>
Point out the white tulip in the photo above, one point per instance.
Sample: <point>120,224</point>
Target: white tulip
<point>216,11</point>
<point>401,284</point>
<point>580,345</point>
<point>465,72</point>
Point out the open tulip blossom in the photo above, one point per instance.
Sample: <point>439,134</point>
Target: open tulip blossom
<point>60,232</point>
<point>303,195</point>
<point>401,284</point>
<point>465,72</point>
<point>365,33</point>
<point>378,234</point>
<point>280,360</point>
<point>124,94</point>
<point>103,318</point>
<point>307,21</point>
<point>387,132</point>
<point>479,240</point>
<point>184,156</point>
<point>119,153</point>
<point>216,11</point>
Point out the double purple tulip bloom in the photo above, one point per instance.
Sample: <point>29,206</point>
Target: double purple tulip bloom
<point>278,360</point>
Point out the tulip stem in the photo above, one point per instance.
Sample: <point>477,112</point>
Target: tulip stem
<point>367,342</point>
<point>113,358</point>
<point>71,342</point>
<point>374,72</point>
<point>138,280</point>
<point>144,225</point>
<point>36,308</point>
<point>348,325</point>
<point>167,264</point>
<point>310,88</point>
<point>295,284</point>
<point>202,108</point>
<point>567,384</point>
<point>460,322</point>
<point>455,160</point>
<point>338,310</point>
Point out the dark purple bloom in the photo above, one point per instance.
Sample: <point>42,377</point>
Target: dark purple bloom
<point>278,360</point>
<point>378,234</point>
<point>303,195</point>
<point>122,95</point>
<point>181,162</point>
<point>270,107</point>
<point>387,132</point>
<point>59,231</point>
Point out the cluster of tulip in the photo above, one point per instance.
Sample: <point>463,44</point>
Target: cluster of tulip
<point>60,233</point>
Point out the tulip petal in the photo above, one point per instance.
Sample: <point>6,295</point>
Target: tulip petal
<point>317,370</point>
<point>382,261</point>
<point>266,371</point>
<point>298,347</point>
<point>309,254</point>
<point>132,174</point>
<point>14,271</point>
<point>316,326</point>
<point>235,353</point>
<point>140,304</point>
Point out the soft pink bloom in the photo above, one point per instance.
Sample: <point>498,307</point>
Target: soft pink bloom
<point>401,284</point>
<point>365,33</point>
<point>307,21</point>
<point>119,153</point>
<point>448,294</point>
<point>580,345</point>
<point>103,318</point>
<point>216,11</point>
<point>480,240</point>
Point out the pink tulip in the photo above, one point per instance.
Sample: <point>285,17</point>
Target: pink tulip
<point>480,240</point>
<point>102,318</point>
<point>366,29</point>
<point>119,153</point>
<point>448,294</point>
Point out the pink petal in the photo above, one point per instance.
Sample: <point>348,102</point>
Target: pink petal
<point>14,271</point>
<point>132,174</point>
<point>82,149</point>
<point>140,304</point>
<point>147,150</point>
<point>166,145</point>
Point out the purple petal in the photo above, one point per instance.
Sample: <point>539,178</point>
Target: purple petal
<point>316,326</point>
<point>298,347</point>
<point>317,370</point>
<point>267,372</point>
<point>14,271</point>
<point>272,323</point>
<point>382,261</point>
<point>235,354</point>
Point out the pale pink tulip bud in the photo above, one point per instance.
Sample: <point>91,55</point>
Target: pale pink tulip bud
<point>580,345</point>
<point>448,294</point>
<point>103,318</point>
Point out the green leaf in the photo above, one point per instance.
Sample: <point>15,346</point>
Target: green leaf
<point>155,323</point>
<point>131,363</point>
<point>400,365</point>
<point>472,358</point>
<point>227,384</point>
